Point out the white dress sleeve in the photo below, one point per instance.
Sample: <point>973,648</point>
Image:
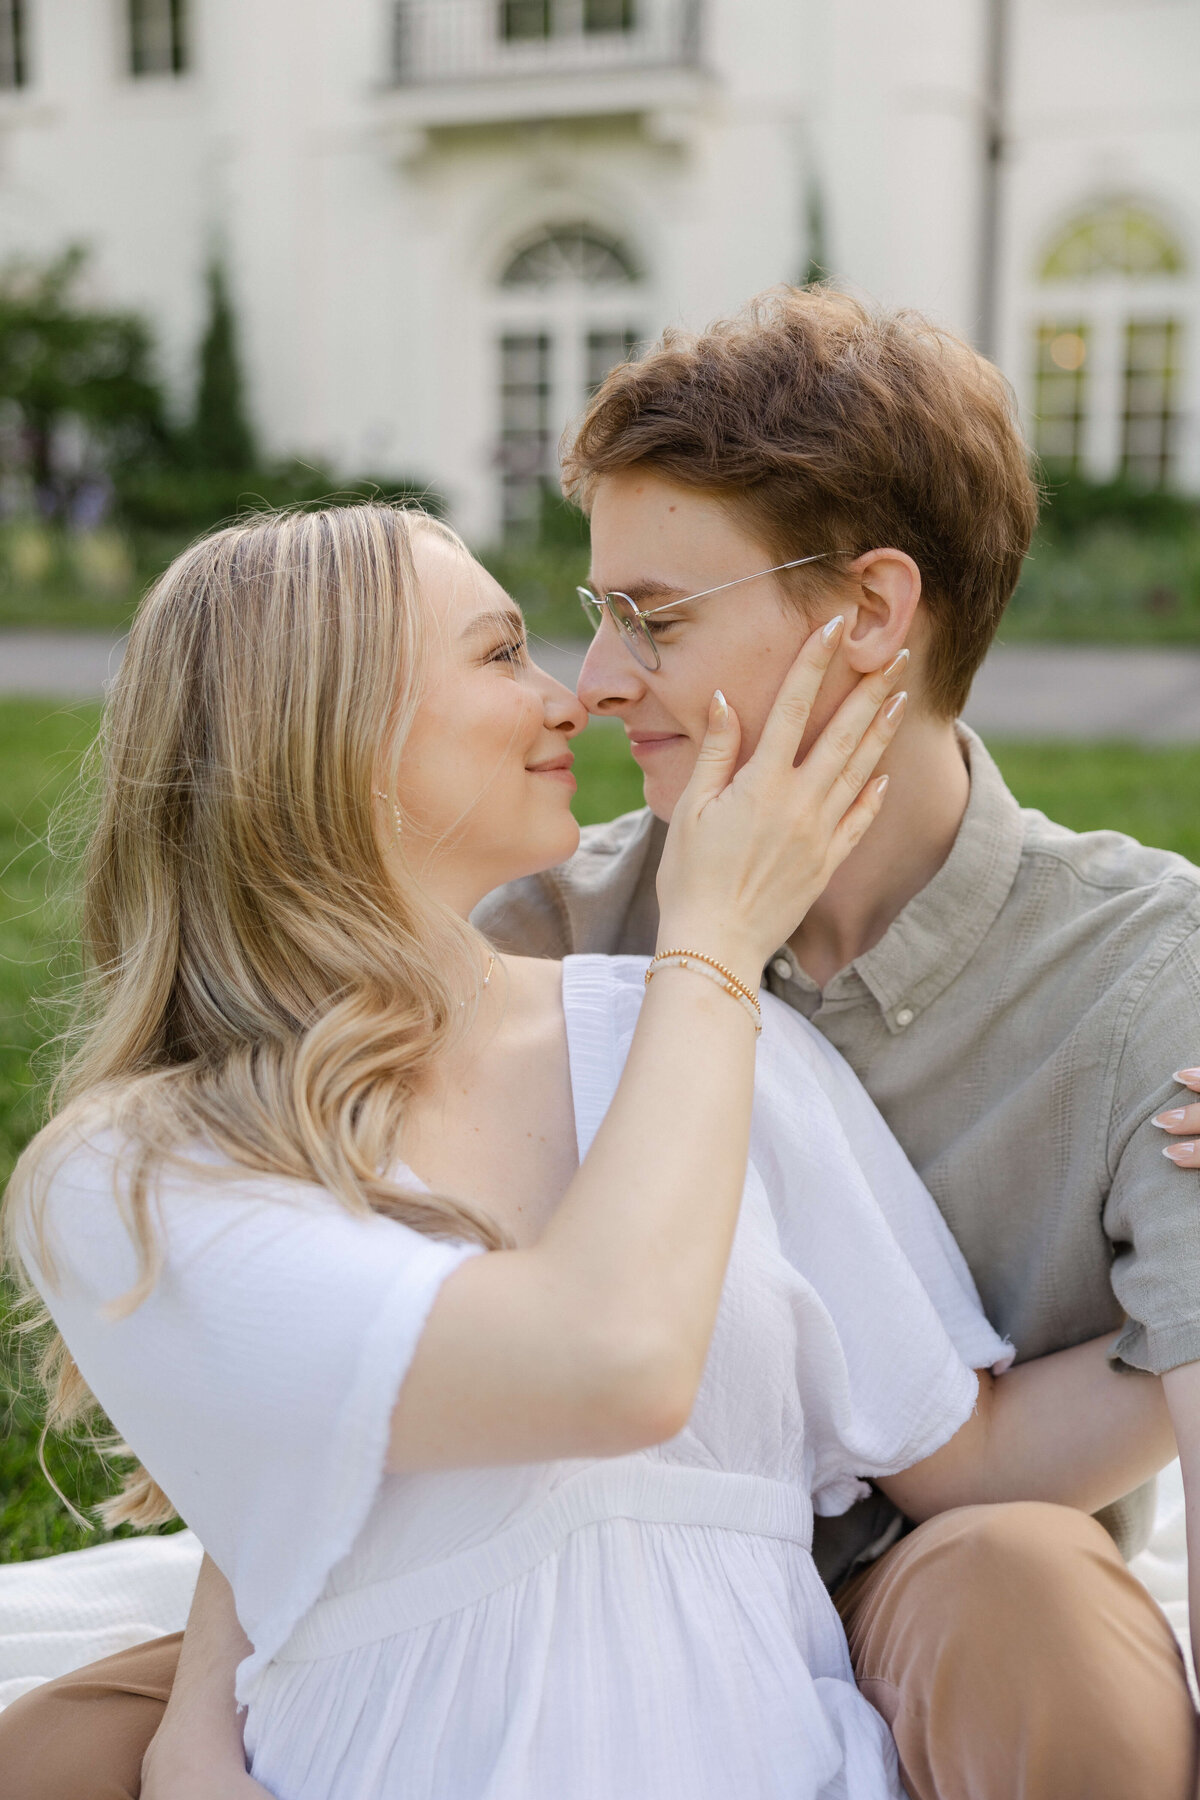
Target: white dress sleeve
<point>862,1231</point>
<point>256,1382</point>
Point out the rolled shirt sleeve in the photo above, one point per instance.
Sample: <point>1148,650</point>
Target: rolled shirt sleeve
<point>1152,1215</point>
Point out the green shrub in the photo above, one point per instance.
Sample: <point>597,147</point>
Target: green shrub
<point>1110,583</point>
<point>183,502</point>
<point>1074,507</point>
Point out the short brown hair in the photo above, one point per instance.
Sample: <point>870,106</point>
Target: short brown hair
<point>831,427</point>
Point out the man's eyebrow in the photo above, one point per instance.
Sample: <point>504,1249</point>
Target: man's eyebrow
<point>647,588</point>
<point>499,619</point>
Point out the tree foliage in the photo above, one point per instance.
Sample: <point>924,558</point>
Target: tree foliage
<point>70,370</point>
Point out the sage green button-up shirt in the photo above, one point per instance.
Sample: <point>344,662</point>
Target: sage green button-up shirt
<point>1017,1026</point>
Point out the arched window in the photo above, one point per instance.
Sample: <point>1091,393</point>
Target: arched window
<point>1116,239</point>
<point>570,253</point>
<point>1108,345</point>
<point>564,318</point>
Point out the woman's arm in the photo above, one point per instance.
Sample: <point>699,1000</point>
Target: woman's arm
<point>1070,1428</point>
<point>197,1752</point>
<point>593,1341</point>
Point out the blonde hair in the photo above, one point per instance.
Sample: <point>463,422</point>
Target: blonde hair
<point>261,977</point>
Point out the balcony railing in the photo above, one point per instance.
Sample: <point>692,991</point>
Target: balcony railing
<point>481,40</point>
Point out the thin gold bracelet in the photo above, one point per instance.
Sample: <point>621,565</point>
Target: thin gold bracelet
<point>699,956</point>
<point>704,965</point>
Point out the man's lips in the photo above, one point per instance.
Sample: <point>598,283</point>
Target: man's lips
<point>647,743</point>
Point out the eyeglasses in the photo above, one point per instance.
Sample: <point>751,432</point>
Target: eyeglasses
<point>630,620</point>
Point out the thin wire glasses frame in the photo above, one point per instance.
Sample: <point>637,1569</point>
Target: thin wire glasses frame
<point>630,619</point>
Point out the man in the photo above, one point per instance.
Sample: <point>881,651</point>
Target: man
<point>1010,992</point>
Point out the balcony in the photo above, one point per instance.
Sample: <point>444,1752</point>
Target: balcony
<point>464,62</point>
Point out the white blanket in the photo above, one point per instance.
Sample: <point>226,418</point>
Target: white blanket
<point>60,1612</point>
<point>63,1611</point>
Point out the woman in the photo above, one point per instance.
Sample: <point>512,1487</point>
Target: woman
<point>533,1522</point>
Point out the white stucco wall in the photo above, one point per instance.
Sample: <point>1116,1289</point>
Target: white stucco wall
<point>363,249</point>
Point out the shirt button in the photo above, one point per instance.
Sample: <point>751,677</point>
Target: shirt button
<point>905,1016</point>
<point>782,968</point>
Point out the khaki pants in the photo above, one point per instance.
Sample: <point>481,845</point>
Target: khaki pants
<point>1012,1653</point>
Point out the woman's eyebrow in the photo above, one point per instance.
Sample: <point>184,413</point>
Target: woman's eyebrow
<point>498,619</point>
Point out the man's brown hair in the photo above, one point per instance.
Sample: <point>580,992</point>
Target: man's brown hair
<point>829,427</point>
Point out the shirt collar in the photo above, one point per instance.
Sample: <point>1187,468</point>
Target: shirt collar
<point>940,929</point>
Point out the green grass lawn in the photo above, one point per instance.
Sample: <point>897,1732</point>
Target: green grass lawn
<point>1150,793</point>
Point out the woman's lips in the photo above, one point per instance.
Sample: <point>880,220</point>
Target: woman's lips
<point>558,770</point>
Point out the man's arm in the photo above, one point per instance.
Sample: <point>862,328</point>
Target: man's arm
<point>197,1752</point>
<point>1069,1428</point>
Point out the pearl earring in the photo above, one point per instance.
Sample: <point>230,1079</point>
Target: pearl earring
<point>380,795</point>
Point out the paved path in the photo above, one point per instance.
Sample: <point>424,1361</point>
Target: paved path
<point>74,665</point>
<point>1023,690</point>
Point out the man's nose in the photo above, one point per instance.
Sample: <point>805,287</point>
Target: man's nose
<point>610,677</point>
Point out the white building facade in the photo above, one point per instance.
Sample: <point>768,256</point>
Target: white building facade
<point>443,220</point>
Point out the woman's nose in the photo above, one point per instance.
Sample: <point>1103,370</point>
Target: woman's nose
<point>562,710</point>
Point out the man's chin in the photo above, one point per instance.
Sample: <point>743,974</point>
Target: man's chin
<point>661,797</point>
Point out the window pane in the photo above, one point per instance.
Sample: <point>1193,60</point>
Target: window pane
<point>1148,418</point>
<point>13,71</point>
<point>526,453</point>
<point>158,37</point>
<point>1060,393</point>
<point>525,18</point>
<point>609,15</point>
<point>605,349</point>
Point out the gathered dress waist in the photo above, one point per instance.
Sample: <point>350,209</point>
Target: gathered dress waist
<point>651,1493</point>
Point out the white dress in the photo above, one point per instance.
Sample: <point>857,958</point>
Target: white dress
<point>649,1627</point>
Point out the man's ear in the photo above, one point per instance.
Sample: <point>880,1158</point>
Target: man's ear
<point>882,617</point>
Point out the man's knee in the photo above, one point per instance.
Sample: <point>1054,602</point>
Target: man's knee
<point>83,1735</point>
<point>1012,1555</point>
<point>974,1563</point>
<point>1013,1652</point>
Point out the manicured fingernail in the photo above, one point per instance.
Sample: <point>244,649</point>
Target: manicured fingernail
<point>894,708</point>
<point>832,632</point>
<point>720,709</point>
<point>895,666</point>
<point>881,785</point>
<point>1179,1153</point>
<point>1186,1075</point>
<point>1165,1120</point>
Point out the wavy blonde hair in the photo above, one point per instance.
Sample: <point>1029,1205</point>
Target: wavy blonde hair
<point>260,976</point>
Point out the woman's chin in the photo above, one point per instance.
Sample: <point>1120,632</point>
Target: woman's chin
<point>543,850</point>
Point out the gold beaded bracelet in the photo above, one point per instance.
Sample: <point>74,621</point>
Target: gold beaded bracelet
<point>714,971</point>
<point>699,956</point>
